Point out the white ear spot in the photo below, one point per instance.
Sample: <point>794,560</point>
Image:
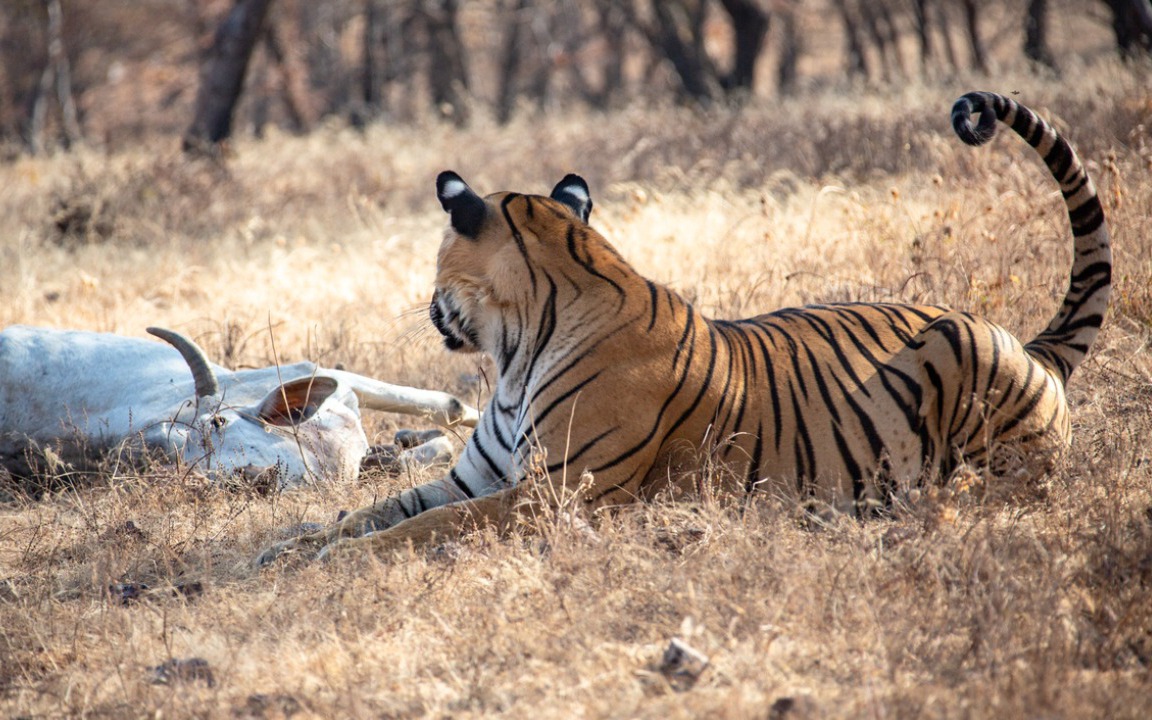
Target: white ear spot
<point>452,188</point>
<point>577,192</point>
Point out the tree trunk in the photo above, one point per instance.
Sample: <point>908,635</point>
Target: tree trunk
<point>680,41</point>
<point>59,59</point>
<point>448,74</point>
<point>1036,34</point>
<point>612,24</point>
<point>282,43</point>
<point>946,35</point>
<point>789,54</point>
<point>891,34</point>
<point>261,91</point>
<point>854,46</point>
<point>38,111</point>
<point>1132,25</point>
<point>750,26</point>
<point>222,77</point>
<point>57,70</point>
<point>510,63</point>
<point>872,25</point>
<point>975,42</point>
<point>372,75</point>
<point>923,31</point>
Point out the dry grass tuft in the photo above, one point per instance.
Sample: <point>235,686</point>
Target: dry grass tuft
<point>132,595</point>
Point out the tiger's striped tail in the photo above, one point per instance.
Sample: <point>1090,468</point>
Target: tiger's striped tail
<point>1064,343</point>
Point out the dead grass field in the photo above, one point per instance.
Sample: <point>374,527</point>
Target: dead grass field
<point>980,602</point>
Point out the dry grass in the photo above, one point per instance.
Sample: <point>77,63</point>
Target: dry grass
<point>1016,602</point>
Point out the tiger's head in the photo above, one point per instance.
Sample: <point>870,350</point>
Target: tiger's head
<point>499,258</point>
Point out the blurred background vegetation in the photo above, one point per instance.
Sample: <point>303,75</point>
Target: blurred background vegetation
<point>114,73</point>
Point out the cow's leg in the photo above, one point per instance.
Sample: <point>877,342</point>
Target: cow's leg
<point>440,407</point>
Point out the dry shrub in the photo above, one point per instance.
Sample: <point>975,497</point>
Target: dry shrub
<point>974,601</point>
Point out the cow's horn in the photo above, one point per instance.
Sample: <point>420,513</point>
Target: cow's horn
<point>206,384</point>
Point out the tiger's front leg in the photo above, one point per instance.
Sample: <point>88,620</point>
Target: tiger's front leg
<point>501,511</point>
<point>381,515</point>
<point>394,510</point>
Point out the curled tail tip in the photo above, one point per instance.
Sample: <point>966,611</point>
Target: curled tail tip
<point>965,107</point>
<point>1062,346</point>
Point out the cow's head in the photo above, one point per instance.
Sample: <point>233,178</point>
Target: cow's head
<point>303,429</point>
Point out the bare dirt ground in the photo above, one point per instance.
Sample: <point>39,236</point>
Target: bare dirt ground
<point>999,600</point>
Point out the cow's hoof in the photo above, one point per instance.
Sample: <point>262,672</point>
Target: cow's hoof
<point>408,439</point>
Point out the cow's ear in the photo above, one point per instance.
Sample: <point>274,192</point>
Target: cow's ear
<point>573,192</point>
<point>465,206</point>
<point>296,400</point>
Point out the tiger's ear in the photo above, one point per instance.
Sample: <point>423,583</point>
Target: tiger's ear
<point>466,207</point>
<point>573,192</point>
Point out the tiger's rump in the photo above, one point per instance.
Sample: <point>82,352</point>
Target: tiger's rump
<point>836,400</point>
<point>845,404</point>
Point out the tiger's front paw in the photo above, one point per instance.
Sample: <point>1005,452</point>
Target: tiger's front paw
<point>304,545</point>
<point>338,548</point>
<point>381,544</point>
<point>347,548</point>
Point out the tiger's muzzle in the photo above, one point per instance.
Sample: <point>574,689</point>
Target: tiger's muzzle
<point>458,334</point>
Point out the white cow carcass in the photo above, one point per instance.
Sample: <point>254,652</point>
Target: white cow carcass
<point>71,395</point>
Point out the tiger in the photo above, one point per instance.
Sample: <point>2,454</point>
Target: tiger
<point>613,388</point>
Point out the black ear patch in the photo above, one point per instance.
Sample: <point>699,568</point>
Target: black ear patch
<point>573,192</point>
<point>466,207</point>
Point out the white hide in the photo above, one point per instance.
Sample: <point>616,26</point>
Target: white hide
<point>83,392</point>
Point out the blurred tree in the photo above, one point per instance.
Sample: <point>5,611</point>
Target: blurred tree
<point>542,56</point>
<point>447,58</point>
<point>749,27</point>
<point>329,47</point>
<point>222,76</point>
<point>923,30</point>
<point>677,29</point>
<point>57,72</point>
<point>374,67</point>
<point>881,27</point>
<point>787,76</point>
<point>282,42</point>
<point>1132,24</point>
<point>510,59</point>
<point>1036,34</point>
<point>612,25</point>
<point>975,42</point>
<point>931,19</point>
<point>402,60</point>
<point>413,55</point>
<point>857,61</point>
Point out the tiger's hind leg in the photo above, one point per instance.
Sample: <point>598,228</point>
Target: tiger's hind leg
<point>987,403</point>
